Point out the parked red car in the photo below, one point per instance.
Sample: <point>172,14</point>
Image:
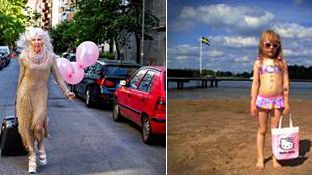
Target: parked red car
<point>142,99</point>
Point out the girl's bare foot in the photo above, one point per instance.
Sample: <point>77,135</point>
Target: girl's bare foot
<point>260,164</point>
<point>276,164</point>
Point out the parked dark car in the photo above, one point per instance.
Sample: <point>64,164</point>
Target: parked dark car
<point>2,60</point>
<point>69,56</point>
<point>143,100</point>
<point>102,79</point>
<point>4,56</point>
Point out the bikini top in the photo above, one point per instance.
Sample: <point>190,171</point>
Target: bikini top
<point>270,68</point>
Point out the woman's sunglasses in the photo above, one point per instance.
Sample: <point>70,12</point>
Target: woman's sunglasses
<point>269,44</point>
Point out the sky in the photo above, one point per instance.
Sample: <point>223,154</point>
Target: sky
<point>234,29</point>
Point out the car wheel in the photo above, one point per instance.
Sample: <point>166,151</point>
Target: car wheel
<point>116,112</point>
<point>89,103</point>
<point>146,130</point>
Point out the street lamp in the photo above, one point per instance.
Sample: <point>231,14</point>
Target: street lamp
<point>142,41</point>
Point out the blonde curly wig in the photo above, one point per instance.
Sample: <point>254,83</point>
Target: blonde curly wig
<point>24,41</point>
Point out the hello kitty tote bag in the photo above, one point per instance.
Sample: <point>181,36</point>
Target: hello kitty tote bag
<point>285,141</point>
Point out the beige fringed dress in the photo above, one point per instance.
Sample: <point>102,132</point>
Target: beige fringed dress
<point>32,94</point>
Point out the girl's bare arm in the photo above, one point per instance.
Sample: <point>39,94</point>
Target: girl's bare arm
<point>285,83</point>
<point>255,83</point>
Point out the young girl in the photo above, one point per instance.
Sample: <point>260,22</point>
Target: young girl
<point>270,89</point>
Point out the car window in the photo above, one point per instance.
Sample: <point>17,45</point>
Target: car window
<point>86,70</point>
<point>5,49</point>
<point>136,79</point>
<point>91,70</point>
<point>98,68</point>
<point>119,71</point>
<point>146,82</point>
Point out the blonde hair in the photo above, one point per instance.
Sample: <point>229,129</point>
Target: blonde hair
<point>24,41</point>
<point>274,37</point>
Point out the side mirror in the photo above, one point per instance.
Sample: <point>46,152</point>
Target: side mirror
<point>122,83</point>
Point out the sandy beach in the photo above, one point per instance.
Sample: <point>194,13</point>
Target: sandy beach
<point>214,134</point>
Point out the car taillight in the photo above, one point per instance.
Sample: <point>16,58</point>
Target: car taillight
<point>161,104</point>
<point>108,83</point>
<point>100,81</point>
<point>105,83</point>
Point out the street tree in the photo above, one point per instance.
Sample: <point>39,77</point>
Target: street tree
<point>12,20</point>
<point>64,36</point>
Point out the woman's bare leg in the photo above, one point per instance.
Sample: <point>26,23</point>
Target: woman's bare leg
<point>262,130</point>
<point>45,127</point>
<point>39,132</point>
<point>274,123</point>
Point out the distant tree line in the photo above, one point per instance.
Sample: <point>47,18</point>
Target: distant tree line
<point>295,72</point>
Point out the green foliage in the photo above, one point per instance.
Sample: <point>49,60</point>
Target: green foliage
<point>109,56</point>
<point>12,20</point>
<point>300,72</point>
<point>64,36</point>
<point>33,17</point>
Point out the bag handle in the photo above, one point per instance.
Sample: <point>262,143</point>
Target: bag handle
<point>281,120</point>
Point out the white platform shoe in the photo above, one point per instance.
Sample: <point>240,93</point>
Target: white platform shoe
<point>42,159</point>
<point>32,165</point>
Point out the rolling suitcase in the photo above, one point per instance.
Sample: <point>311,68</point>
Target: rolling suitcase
<point>10,140</point>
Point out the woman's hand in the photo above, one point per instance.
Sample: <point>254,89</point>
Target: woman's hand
<point>253,110</point>
<point>70,95</point>
<point>286,110</point>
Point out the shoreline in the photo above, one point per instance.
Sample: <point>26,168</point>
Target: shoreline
<point>197,84</point>
<point>235,90</point>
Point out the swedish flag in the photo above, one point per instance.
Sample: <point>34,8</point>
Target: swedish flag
<point>205,40</point>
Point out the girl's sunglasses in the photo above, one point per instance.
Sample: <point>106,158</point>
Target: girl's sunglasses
<point>269,44</point>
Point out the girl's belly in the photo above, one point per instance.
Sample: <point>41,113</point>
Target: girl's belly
<point>271,86</point>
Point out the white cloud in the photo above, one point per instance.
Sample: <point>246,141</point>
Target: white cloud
<point>215,53</point>
<point>233,17</point>
<point>181,25</point>
<point>233,41</point>
<point>255,22</point>
<point>185,50</point>
<point>220,14</point>
<point>188,12</point>
<point>293,30</point>
<point>289,53</point>
<point>240,41</point>
<point>182,57</point>
<point>243,59</point>
<point>297,53</point>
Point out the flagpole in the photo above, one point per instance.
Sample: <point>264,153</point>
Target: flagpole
<point>200,55</point>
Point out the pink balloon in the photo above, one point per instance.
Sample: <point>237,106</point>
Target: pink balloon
<point>65,67</point>
<point>77,76</point>
<point>87,53</point>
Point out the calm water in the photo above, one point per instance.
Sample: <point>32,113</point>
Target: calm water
<point>232,89</point>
